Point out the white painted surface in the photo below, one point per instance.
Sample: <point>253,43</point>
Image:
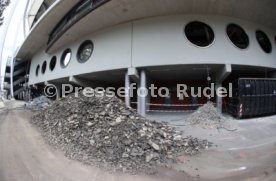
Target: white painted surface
<point>159,41</point>
<point>112,50</point>
<point>121,11</point>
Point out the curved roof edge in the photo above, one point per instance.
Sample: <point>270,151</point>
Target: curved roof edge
<point>118,11</point>
<point>33,10</point>
<point>38,36</point>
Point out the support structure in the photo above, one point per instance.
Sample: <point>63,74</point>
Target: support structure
<point>127,90</point>
<point>219,99</point>
<point>58,93</point>
<point>133,74</point>
<point>11,78</point>
<point>221,76</point>
<point>142,96</point>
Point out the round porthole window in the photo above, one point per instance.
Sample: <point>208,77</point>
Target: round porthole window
<point>44,66</point>
<point>85,51</point>
<point>37,70</point>
<point>53,63</point>
<point>264,41</point>
<point>199,33</point>
<point>65,58</point>
<point>237,36</point>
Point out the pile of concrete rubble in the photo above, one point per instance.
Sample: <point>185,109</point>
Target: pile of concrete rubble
<point>206,117</point>
<point>38,103</point>
<point>104,132</point>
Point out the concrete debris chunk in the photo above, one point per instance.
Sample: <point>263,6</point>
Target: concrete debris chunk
<point>38,103</point>
<point>102,131</point>
<point>154,146</point>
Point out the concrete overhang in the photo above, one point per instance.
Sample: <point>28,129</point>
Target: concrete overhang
<point>120,11</point>
<point>35,7</point>
<point>39,34</point>
<point>33,11</point>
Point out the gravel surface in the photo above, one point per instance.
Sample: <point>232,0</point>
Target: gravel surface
<point>104,132</point>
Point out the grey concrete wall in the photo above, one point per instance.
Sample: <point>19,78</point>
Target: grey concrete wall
<point>156,42</point>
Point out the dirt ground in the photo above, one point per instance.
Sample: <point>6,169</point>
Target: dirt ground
<point>248,154</point>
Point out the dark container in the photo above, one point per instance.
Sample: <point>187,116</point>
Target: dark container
<point>253,97</point>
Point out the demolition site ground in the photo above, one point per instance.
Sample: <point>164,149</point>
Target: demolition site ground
<point>101,139</point>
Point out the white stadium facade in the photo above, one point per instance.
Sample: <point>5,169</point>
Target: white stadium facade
<point>162,42</point>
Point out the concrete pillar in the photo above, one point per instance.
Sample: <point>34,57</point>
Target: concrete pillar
<point>220,77</point>
<point>58,93</point>
<point>127,90</point>
<point>148,100</point>
<point>138,100</point>
<point>11,78</point>
<point>219,99</point>
<point>143,98</point>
